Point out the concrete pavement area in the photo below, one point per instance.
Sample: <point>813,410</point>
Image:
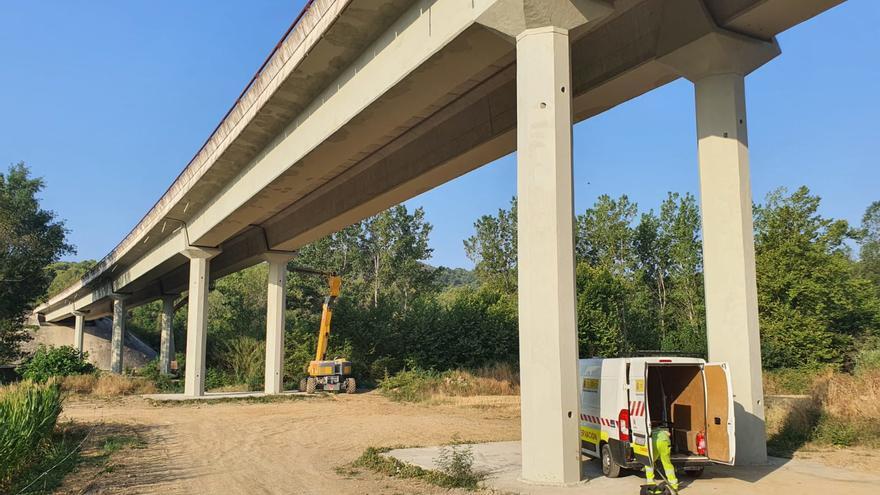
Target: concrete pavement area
<point>502,460</point>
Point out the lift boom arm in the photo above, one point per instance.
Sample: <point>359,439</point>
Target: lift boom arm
<point>335,283</point>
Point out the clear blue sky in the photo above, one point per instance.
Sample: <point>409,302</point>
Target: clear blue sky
<point>109,100</point>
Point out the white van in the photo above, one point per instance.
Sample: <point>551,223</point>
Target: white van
<point>622,397</point>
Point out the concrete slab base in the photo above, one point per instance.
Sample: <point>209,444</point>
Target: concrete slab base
<point>502,460</point>
<point>215,396</point>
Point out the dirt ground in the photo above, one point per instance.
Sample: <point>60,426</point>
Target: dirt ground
<point>292,446</point>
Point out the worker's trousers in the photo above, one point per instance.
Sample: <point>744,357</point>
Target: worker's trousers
<point>663,451</point>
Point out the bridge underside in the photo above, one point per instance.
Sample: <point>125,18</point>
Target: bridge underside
<point>454,112</point>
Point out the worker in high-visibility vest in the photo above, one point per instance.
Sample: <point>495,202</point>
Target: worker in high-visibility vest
<point>662,449</point>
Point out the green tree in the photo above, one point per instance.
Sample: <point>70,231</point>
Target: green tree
<point>492,248</point>
<point>869,254</point>
<point>65,273</point>
<point>600,299</point>
<point>813,304</point>
<point>605,242</point>
<point>680,226</point>
<point>30,239</point>
<point>392,249</point>
<point>605,234</point>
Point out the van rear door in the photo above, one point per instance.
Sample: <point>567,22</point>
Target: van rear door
<point>640,434</point>
<point>720,428</point>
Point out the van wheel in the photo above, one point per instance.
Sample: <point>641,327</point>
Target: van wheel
<point>609,468</point>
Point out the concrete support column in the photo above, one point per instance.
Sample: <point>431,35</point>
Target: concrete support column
<point>166,334</point>
<point>717,64</point>
<point>78,325</point>
<point>275,311</point>
<point>729,253</point>
<point>547,322</point>
<point>197,318</point>
<point>117,337</point>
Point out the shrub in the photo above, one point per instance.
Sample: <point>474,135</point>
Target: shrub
<point>792,381</point>
<point>55,361</point>
<point>28,413</point>
<point>836,431</point>
<point>245,358</point>
<point>456,463</point>
<point>410,385</point>
<point>868,359</point>
<point>165,383</point>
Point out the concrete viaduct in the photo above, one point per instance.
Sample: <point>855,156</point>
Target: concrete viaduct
<point>367,103</point>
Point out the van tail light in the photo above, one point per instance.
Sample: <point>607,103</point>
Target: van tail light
<point>701,443</point>
<point>623,425</point>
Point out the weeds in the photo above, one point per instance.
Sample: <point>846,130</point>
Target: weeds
<point>115,443</point>
<point>28,413</point>
<point>246,358</point>
<point>58,457</point>
<point>455,464</point>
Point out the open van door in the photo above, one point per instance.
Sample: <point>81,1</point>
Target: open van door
<point>640,429</point>
<point>720,431</point>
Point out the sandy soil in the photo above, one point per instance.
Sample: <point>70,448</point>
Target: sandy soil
<point>292,446</point>
<point>299,446</point>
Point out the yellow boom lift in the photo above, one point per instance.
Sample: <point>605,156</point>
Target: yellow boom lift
<point>327,374</point>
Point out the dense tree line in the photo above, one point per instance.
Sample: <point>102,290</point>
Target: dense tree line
<point>639,287</point>
<point>640,282</point>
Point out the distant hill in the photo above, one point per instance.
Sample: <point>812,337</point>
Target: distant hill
<point>455,277</point>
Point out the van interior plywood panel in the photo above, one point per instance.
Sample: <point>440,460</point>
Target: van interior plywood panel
<point>717,437</point>
<point>684,405</point>
<point>689,410</point>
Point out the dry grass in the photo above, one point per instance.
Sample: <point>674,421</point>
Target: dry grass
<point>795,413</point>
<point>419,385</point>
<point>840,409</point>
<point>499,379</point>
<point>855,396</point>
<point>107,385</point>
